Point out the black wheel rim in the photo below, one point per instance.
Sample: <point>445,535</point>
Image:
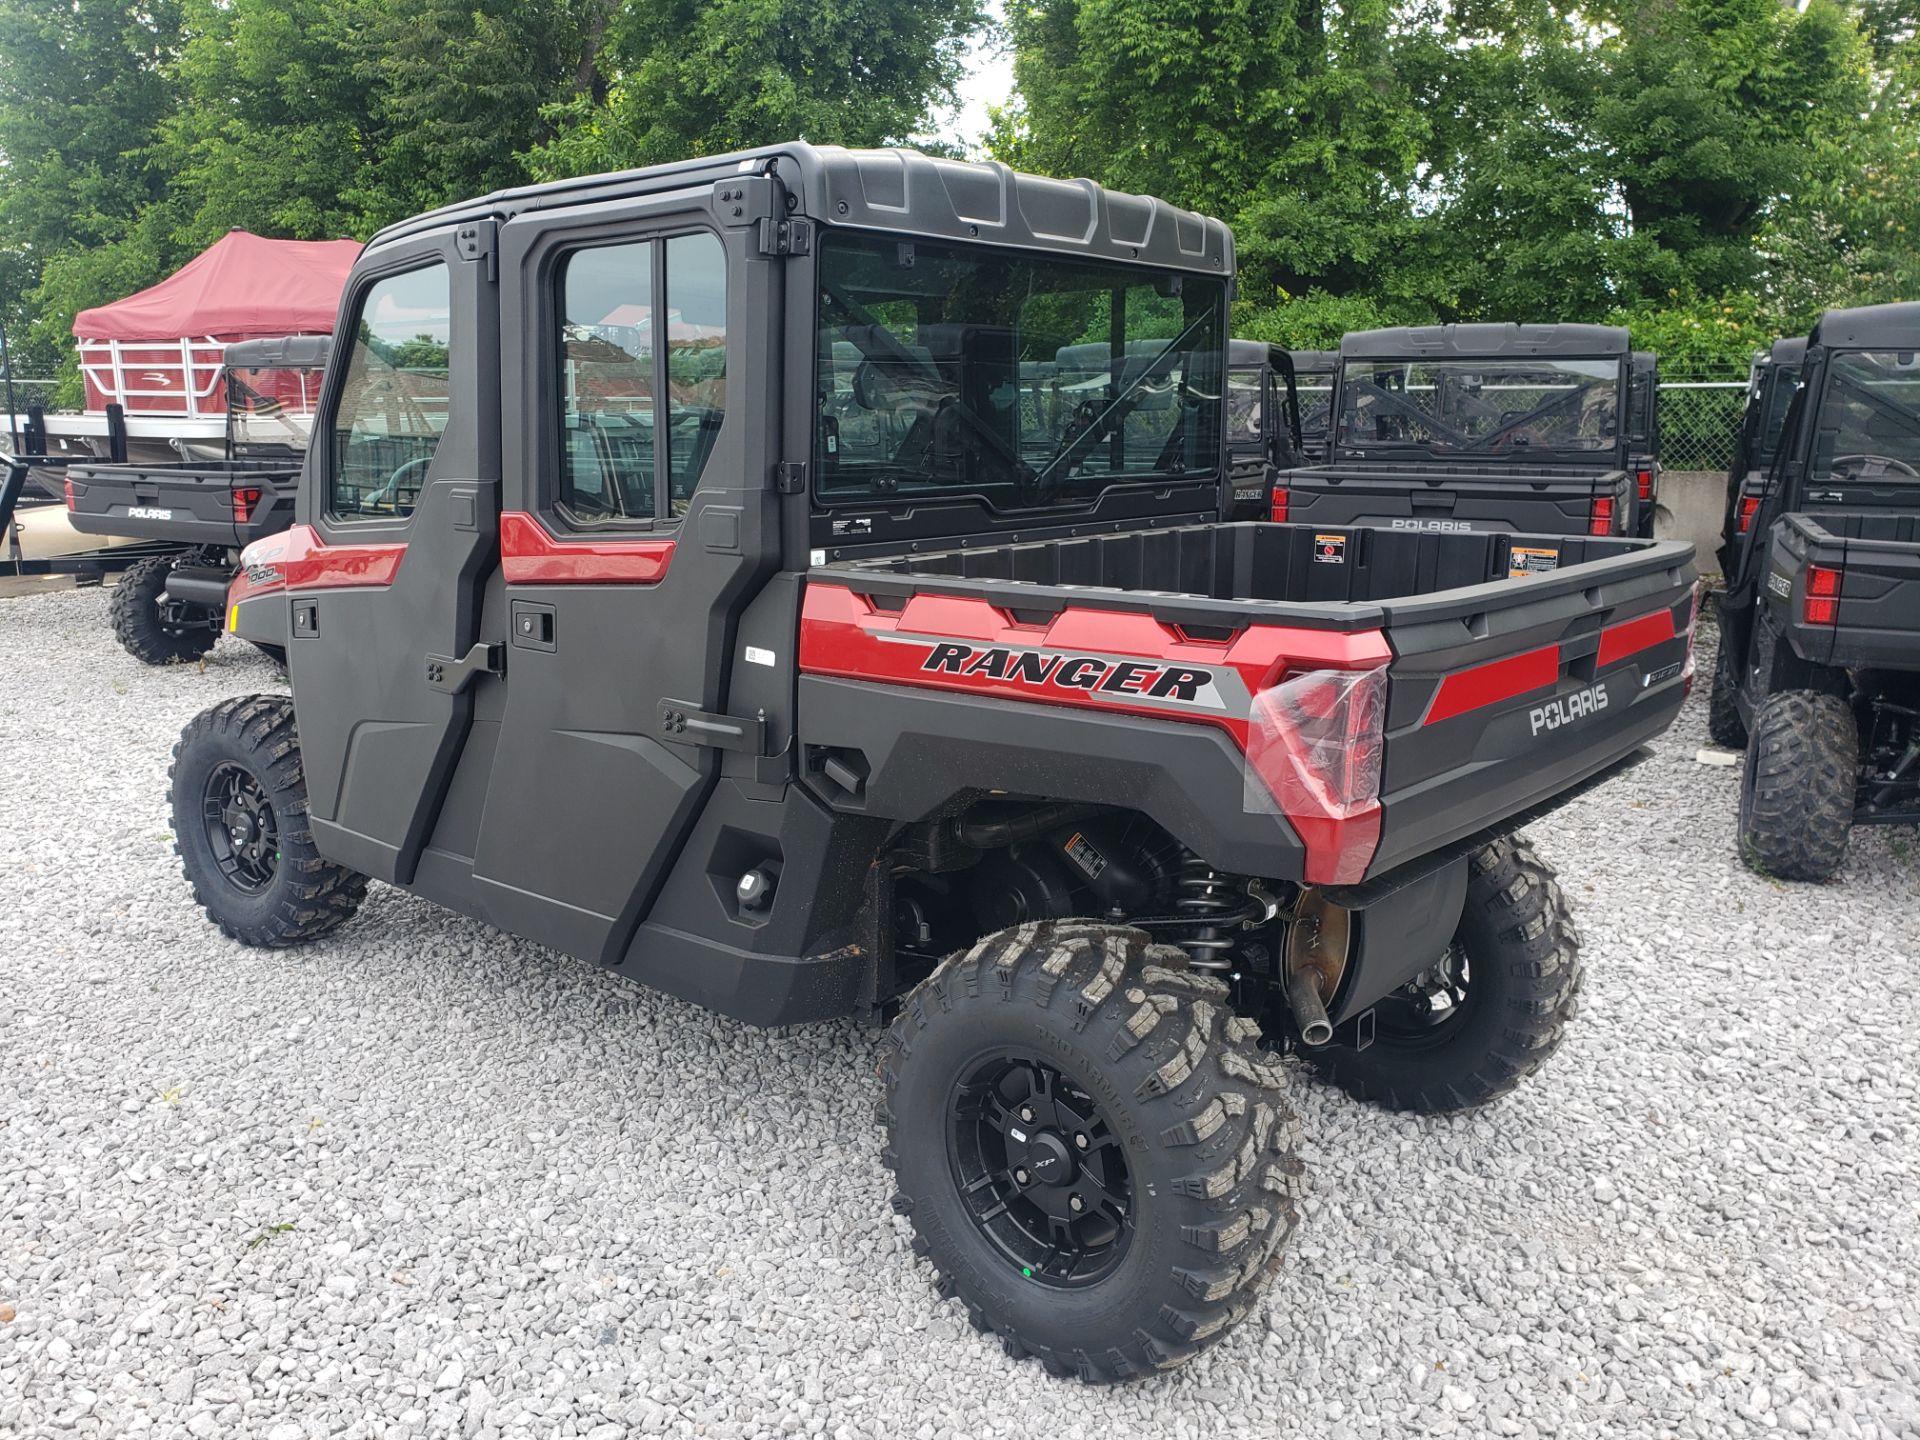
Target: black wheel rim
<point>242,830</point>
<point>1041,1173</point>
<point>1430,1007</point>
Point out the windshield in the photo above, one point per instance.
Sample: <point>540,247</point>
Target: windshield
<point>1493,406</point>
<point>1869,427</point>
<point>1019,379</point>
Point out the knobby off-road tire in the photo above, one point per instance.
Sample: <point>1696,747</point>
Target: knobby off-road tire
<point>1191,1125</point>
<point>1521,975</point>
<point>140,621</point>
<point>240,827</point>
<point>1797,791</point>
<point>1724,725</point>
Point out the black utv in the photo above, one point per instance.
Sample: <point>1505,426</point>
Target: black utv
<point>898,664</point>
<point>170,608</point>
<point>1476,428</point>
<point>1819,668</point>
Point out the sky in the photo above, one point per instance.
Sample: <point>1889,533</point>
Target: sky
<point>989,81</point>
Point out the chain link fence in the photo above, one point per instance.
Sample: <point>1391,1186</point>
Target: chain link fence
<point>1700,418</point>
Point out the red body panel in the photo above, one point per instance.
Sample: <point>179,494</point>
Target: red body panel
<point>1118,661</point>
<point>530,556</point>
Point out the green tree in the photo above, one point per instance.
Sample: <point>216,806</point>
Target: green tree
<point>82,96</point>
<point>692,77</point>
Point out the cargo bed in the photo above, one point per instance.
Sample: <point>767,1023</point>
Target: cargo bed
<point>1518,666</point>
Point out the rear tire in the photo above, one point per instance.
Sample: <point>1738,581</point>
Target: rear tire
<point>240,827</point>
<point>1797,791</point>
<point>147,626</point>
<point>1188,1174</point>
<point>1510,977</point>
<point>1724,725</point>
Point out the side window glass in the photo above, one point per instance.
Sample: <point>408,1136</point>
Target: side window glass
<point>607,406</point>
<point>696,359</point>
<point>393,400</point>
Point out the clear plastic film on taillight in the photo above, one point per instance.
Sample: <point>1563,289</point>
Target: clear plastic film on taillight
<point>1693,624</point>
<point>1315,742</point>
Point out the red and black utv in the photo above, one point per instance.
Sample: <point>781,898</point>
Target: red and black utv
<point>796,580</point>
<point>1476,429</point>
<point>169,608</point>
<point>1818,674</point>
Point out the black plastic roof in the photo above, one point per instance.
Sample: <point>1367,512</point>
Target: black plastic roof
<point>1309,360</point>
<point>1646,360</point>
<point>1788,350</point>
<point>902,191</point>
<point>1446,342</point>
<point>1870,327</point>
<point>280,352</point>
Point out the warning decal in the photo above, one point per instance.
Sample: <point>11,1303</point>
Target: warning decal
<point>1525,560</point>
<point>1330,549</point>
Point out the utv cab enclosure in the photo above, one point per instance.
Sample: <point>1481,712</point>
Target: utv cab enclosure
<point>797,580</point>
<point>1492,428</point>
<point>1643,439</point>
<point>171,608</point>
<point>1771,384</point>
<point>1819,668</point>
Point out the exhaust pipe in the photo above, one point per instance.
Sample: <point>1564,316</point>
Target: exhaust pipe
<point>1309,1011</point>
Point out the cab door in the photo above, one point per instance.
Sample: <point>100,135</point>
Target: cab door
<point>639,515</point>
<point>398,532</point>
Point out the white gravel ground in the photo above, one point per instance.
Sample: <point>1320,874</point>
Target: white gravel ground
<point>423,1179</point>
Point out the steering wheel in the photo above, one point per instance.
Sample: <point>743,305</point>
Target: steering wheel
<point>1887,462</point>
<point>385,494</point>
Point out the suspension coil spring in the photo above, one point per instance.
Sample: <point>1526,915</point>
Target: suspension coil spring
<point>1211,902</point>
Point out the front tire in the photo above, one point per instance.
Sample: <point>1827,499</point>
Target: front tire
<point>1489,1011</point>
<point>240,827</point>
<point>1071,1061</point>
<point>1797,791</point>
<point>151,628</point>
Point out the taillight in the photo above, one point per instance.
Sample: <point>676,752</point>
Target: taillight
<point>1316,741</point>
<point>1749,504</point>
<point>1646,484</point>
<point>244,499</point>
<point>70,504</point>
<point>1821,605</point>
<point>1280,497</point>
<point>1600,518</point>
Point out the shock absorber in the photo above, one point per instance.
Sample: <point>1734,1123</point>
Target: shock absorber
<point>1208,899</point>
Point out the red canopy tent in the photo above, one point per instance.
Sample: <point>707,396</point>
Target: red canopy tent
<point>158,352</point>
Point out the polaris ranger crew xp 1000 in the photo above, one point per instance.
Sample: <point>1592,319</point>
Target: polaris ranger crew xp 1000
<point>797,580</point>
<point>1819,668</point>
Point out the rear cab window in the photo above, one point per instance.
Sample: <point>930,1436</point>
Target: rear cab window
<point>1014,379</point>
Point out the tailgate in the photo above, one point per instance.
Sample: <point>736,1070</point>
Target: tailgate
<point>1866,612</point>
<point>192,503</point>
<point>1529,501</point>
<point>1505,695</point>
